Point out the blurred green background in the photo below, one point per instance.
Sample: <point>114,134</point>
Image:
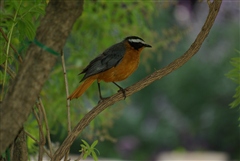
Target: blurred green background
<point>187,110</point>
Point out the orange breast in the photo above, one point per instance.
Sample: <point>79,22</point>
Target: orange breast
<point>124,69</point>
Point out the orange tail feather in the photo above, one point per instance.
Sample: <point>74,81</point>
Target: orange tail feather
<point>81,89</point>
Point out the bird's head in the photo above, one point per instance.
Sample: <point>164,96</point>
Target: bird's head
<point>136,42</point>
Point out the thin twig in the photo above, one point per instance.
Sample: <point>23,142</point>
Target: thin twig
<point>47,152</point>
<point>209,2</point>
<point>193,49</point>
<point>32,137</point>
<point>41,133</point>
<point>5,37</point>
<point>44,148</point>
<point>41,107</point>
<point>80,157</point>
<point>9,71</point>
<point>36,115</point>
<point>68,101</point>
<point>67,91</point>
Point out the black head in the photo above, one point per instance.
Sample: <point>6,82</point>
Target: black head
<point>136,42</point>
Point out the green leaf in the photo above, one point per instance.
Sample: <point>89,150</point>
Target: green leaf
<point>30,30</point>
<point>21,30</point>
<point>39,9</point>
<point>94,144</point>
<point>26,29</point>
<point>97,151</point>
<point>83,146</point>
<point>234,75</point>
<point>84,142</point>
<point>85,155</point>
<point>94,155</point>
<point>236,102</point>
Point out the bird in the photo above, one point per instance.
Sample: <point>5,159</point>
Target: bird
<point>115,64</point>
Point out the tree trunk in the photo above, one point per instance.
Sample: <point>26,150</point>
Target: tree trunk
<point>52,32</point>
<point>20,152</point>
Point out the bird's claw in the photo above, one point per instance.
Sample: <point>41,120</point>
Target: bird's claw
<point>102,99</point>
<point>123,92</point>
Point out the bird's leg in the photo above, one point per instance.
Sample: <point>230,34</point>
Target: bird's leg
<point>121,89</point>
<point>100,95</point>
<point>99,91</point>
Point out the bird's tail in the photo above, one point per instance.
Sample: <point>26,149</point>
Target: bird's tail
<point>81,89</point>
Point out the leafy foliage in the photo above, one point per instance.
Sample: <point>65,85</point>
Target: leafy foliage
<point>89,150</point>
<point>18,23</point>
<point>234,75</point>
<point>19,18</point>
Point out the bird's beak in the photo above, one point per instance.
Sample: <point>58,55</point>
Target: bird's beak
<point>148,46</point>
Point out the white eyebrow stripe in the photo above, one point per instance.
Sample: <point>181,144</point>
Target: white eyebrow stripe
<point>136,40</point>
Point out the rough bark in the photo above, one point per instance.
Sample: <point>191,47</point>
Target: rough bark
<point>53,32</point>
<point>196,45</point>
<point>20,152</point>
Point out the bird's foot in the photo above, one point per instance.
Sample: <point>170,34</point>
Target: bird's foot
<point>102,99</point>
<point>121,89</point>
<point>123,92</point>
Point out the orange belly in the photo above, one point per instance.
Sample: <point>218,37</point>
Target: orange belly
<point>124,69</point>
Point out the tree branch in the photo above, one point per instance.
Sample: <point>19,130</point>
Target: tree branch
<point>68,101</point>
<point>52,32</point>
<point>213,11</point>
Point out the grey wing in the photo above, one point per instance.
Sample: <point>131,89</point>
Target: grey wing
<point>108,59</point>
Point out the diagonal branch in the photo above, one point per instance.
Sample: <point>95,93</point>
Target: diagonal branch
<point>213,11</point>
